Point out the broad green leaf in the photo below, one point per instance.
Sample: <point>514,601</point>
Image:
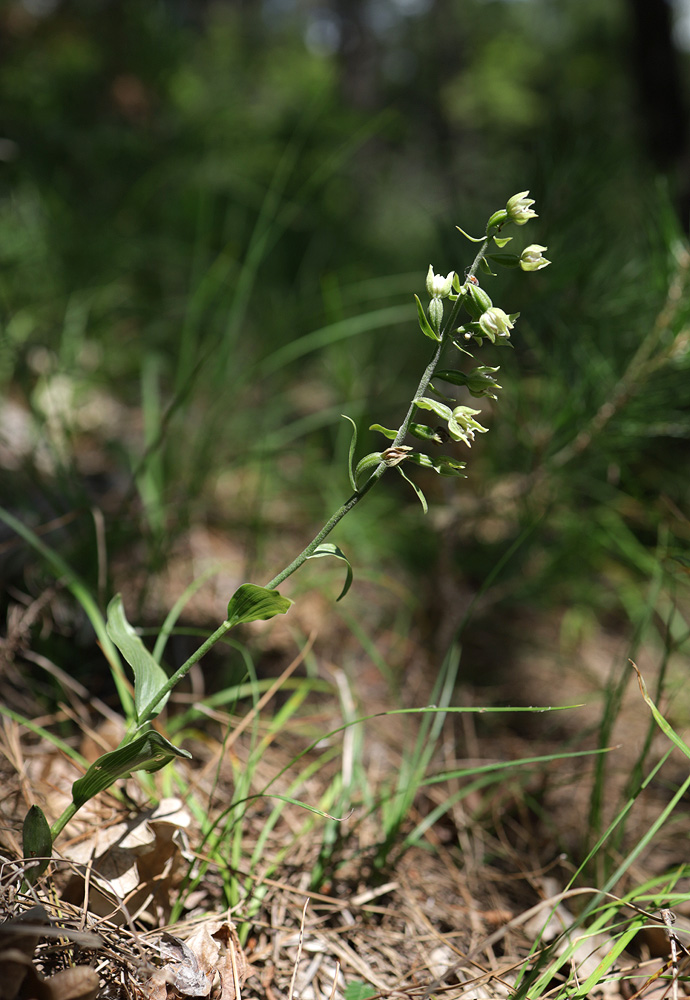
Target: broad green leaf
<point>420,495</point>
<point>386,431</point>
<point>36,842</point>
<point>351,453</point>
<point>502,241</point>
<point>440,409</point>
<point>424,324</point>
<point>329,549</point>
<point>357,990</point>
<point>452,375</point>
<point>149,753</point>
<point>373,458</point>
<point>250,603</point>
<point>149,676</point>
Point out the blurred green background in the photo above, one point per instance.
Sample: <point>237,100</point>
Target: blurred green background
<point>213,217</point>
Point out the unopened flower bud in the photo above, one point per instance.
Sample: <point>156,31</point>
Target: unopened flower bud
<point>395,455</point>
<point>476,301</point>
<point>497,220</point>
<point>436,313</point>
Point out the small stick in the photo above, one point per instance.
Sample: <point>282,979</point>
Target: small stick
<point>291,994</point>
<point>335,981</point>
<point>669,919</point>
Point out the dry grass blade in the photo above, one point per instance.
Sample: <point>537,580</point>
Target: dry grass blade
<point>300,940</point>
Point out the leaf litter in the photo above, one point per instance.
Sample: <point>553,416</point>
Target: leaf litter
<point>455,924</point>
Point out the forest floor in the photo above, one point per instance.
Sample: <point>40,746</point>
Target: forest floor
<point>466,894</point>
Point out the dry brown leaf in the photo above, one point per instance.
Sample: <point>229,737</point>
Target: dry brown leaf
<point>18,976</point>
<point>78,983</point>
<point>212,950</point>
<point>184,971</point>
<point>139,860</point>
<point>233,967</point>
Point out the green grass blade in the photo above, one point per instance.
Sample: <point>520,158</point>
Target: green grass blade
<point>62,570</point>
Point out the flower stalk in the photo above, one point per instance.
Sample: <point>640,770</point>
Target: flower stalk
<point>144,748</point>
<point>496,323</point>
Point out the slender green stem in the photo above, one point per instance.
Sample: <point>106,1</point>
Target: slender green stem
<point>208,643</point>
<point>340,513</point>
<point>62,821</point>
<point>399,438</point>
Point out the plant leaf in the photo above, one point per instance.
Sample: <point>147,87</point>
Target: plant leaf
<point>149,753</point>
<point>386,431</point>
<point>373,458</point>
<point>420,495</point>
<point>149,676</point>
<point>440,409</point>
<point>351,453</point>
<point>424,324</point>
<point>472,239</point>
<point>444,464</point>
<point>357,990</point>
<point>329,549</point>
<point>36,842</point>
<point>250,603</point>
<point>452,375</point>
<point>661,722</point>
<point>426,433</point>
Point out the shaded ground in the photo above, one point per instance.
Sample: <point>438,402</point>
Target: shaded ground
<point>456,912</point>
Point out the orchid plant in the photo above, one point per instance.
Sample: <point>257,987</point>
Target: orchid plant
<point>459,313</point>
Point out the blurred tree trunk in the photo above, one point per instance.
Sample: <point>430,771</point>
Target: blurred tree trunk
<point>358,56</point>
<point>662,112</point>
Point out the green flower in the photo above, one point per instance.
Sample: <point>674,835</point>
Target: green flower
<point>481,382</point>
<point>518,208</point>
<point>531,258</point>
<point>495,323</point>
<point>437,286</point>
<point>462,426</point>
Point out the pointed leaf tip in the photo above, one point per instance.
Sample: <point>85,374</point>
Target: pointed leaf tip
<point>329,549</point>
<point>251,603</point>
<point>150,752</point>
<point>351,452</point>
<point>36,842</point>
<point>149,676</point>
<point>424,324</point>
